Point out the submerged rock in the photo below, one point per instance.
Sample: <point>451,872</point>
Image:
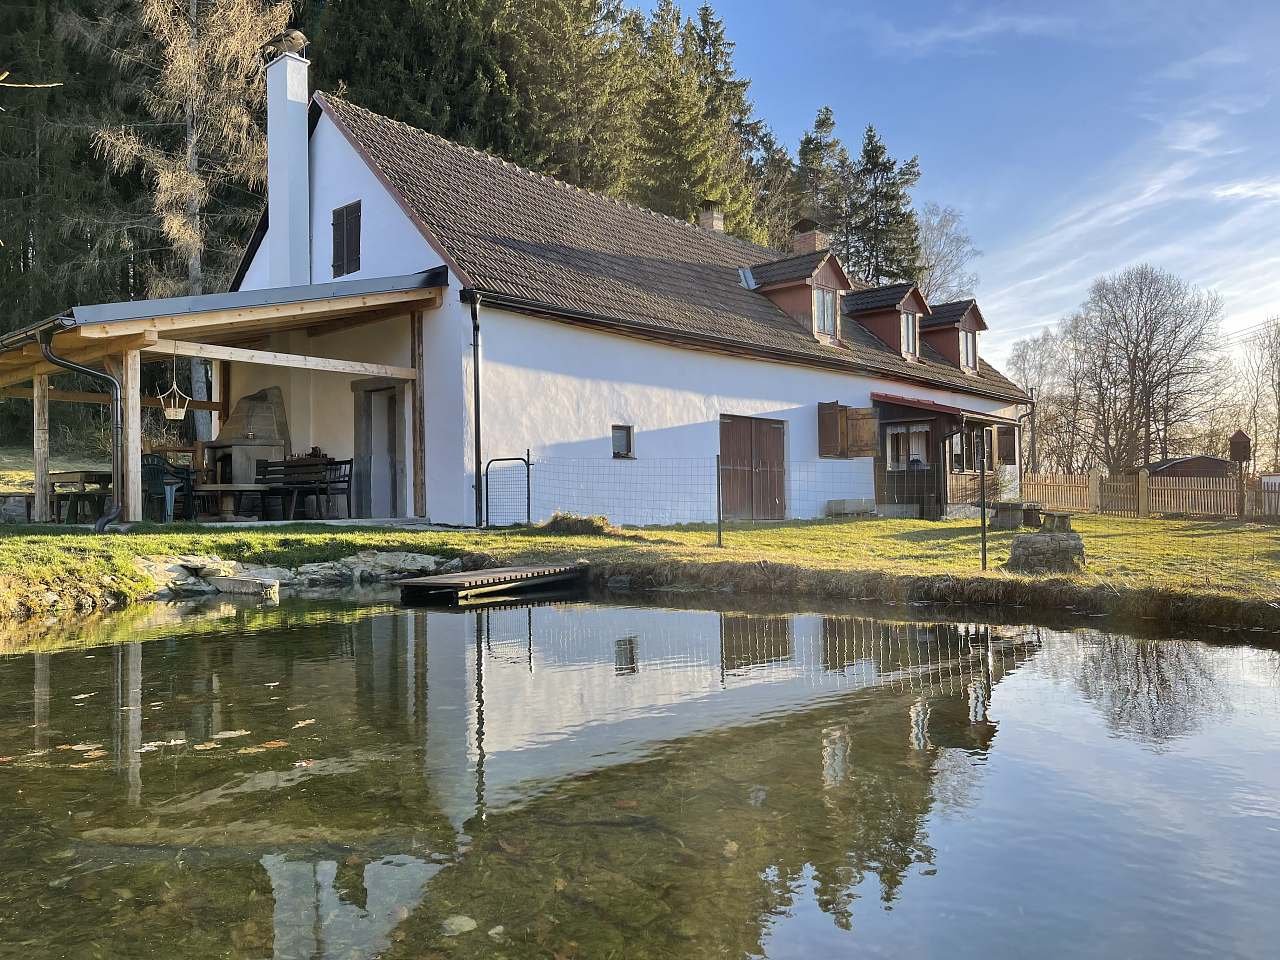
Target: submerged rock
<point>457,924</point>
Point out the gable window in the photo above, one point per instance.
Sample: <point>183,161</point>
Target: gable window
<point>969,349</point>
<point>824,311</point>
<point>910,334</point>
<point>907,446</point>
<point>346,239</point>
<point>624,442</point>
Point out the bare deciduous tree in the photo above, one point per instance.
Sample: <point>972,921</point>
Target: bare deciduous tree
<point>1136,375</point>
<point>946,254</point>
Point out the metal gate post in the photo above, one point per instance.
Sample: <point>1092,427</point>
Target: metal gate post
<point>719,507</point>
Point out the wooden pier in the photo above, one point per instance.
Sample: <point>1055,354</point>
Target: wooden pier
<point>488,584</point>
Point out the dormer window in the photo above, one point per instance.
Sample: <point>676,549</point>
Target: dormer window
<point>969,349</point>
<point>910,334</point>
<point>824,311</point>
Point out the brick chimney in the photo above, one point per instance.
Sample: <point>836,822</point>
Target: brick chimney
<point>712,217</point>
<point>288,172</point>
<point>807,238</point>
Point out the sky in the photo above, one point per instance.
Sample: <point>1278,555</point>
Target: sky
<point>1076,138</point>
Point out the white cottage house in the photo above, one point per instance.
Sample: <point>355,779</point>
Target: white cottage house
<point>426,309</point>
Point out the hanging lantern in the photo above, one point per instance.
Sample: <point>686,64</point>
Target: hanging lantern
<point>173,402</point>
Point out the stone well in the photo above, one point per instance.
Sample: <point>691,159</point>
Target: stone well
<point>1046,552</point>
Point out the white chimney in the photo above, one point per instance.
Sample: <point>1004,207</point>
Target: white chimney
<point>288,172</point>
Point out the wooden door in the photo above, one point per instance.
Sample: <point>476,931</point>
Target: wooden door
<point>752,468</point>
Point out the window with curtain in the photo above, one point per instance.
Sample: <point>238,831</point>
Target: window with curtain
<point>824,311</point>
<point>969,349</point>
<point>907,446</point>
<point>910,334</point>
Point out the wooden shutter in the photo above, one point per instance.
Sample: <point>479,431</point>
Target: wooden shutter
<point>353,238</point>
<point>863,431</point>
<point>339,240</point>
<point>346,239</point>
<point>831,441</point>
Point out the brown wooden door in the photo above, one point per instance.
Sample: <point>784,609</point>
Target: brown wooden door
<point>752,468</point>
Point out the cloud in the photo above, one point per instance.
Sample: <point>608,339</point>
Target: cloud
<point>1212,59</point>
<point>1267,189</point>
<point>969,32</point>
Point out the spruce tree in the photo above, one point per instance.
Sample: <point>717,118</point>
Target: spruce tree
<point>576,78</point>
<point>883,243</point>
<point>816,180</point>
<point>442,65</point>
<point>676,149</point>
<point>730,114</point>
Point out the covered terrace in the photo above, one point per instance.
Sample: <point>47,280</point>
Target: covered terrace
<point>255,333</point>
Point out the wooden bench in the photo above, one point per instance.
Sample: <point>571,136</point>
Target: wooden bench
<point>301,477</point>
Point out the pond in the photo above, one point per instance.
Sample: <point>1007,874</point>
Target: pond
<point>579,780</point>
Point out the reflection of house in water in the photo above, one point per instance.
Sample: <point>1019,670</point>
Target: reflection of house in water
<point>440,720</point>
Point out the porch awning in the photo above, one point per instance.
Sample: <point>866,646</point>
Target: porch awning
<point>958,412</point>
<point>203,326</point>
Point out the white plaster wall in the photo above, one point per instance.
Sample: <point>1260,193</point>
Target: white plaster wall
<point>390,245</point>
<point>557,389</point>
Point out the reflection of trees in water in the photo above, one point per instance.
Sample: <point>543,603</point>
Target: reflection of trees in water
<point>1154,691</point>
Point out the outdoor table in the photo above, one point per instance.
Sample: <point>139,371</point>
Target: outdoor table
<point>80,481</point>
<point>229,495</point>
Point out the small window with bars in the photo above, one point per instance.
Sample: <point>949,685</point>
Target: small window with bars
<point>346,240</point>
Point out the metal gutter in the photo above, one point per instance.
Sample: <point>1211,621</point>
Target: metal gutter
<point>472,296</point>
<point>117,425</point>
<point>31,333</point>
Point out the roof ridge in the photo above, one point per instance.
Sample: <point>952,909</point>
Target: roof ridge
<point>548,179</point>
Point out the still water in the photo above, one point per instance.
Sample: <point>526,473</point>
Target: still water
<point>588,781</point>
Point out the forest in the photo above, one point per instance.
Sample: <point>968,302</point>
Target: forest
<point>140,171</point>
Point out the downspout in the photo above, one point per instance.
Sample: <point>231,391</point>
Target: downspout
<point>117,425</point>
<point>472,296</point>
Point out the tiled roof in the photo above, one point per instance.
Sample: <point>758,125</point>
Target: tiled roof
<point>876,298</point>
<point>801,266</point>
<point>942,314</point>
<point>533,240</point>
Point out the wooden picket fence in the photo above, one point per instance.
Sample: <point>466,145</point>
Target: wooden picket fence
<point>1121,495</point>
<point>1196,496</point>
<point>1068,492</point>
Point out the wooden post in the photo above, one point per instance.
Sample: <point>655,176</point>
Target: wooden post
<point>40,447</point>
<point>215,395</point>
<point>1095,490</point>
<point>131,447</point>
<point>1144,492</point>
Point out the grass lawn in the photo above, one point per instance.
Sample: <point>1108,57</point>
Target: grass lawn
<point>16,473</point>
<point>1199,558</point>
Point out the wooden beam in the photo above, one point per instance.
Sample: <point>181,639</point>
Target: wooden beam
<point>83,356</point>
<point>417,401</point>
<point>131,452</point>
<point>40,448</point>
<point>311,310</point>
<point>269,358</point>
<point>99,399</point>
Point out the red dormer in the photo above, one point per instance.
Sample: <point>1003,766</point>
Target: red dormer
<point>808,286</point>
<point>894,313</point>
<point>952,330</point>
